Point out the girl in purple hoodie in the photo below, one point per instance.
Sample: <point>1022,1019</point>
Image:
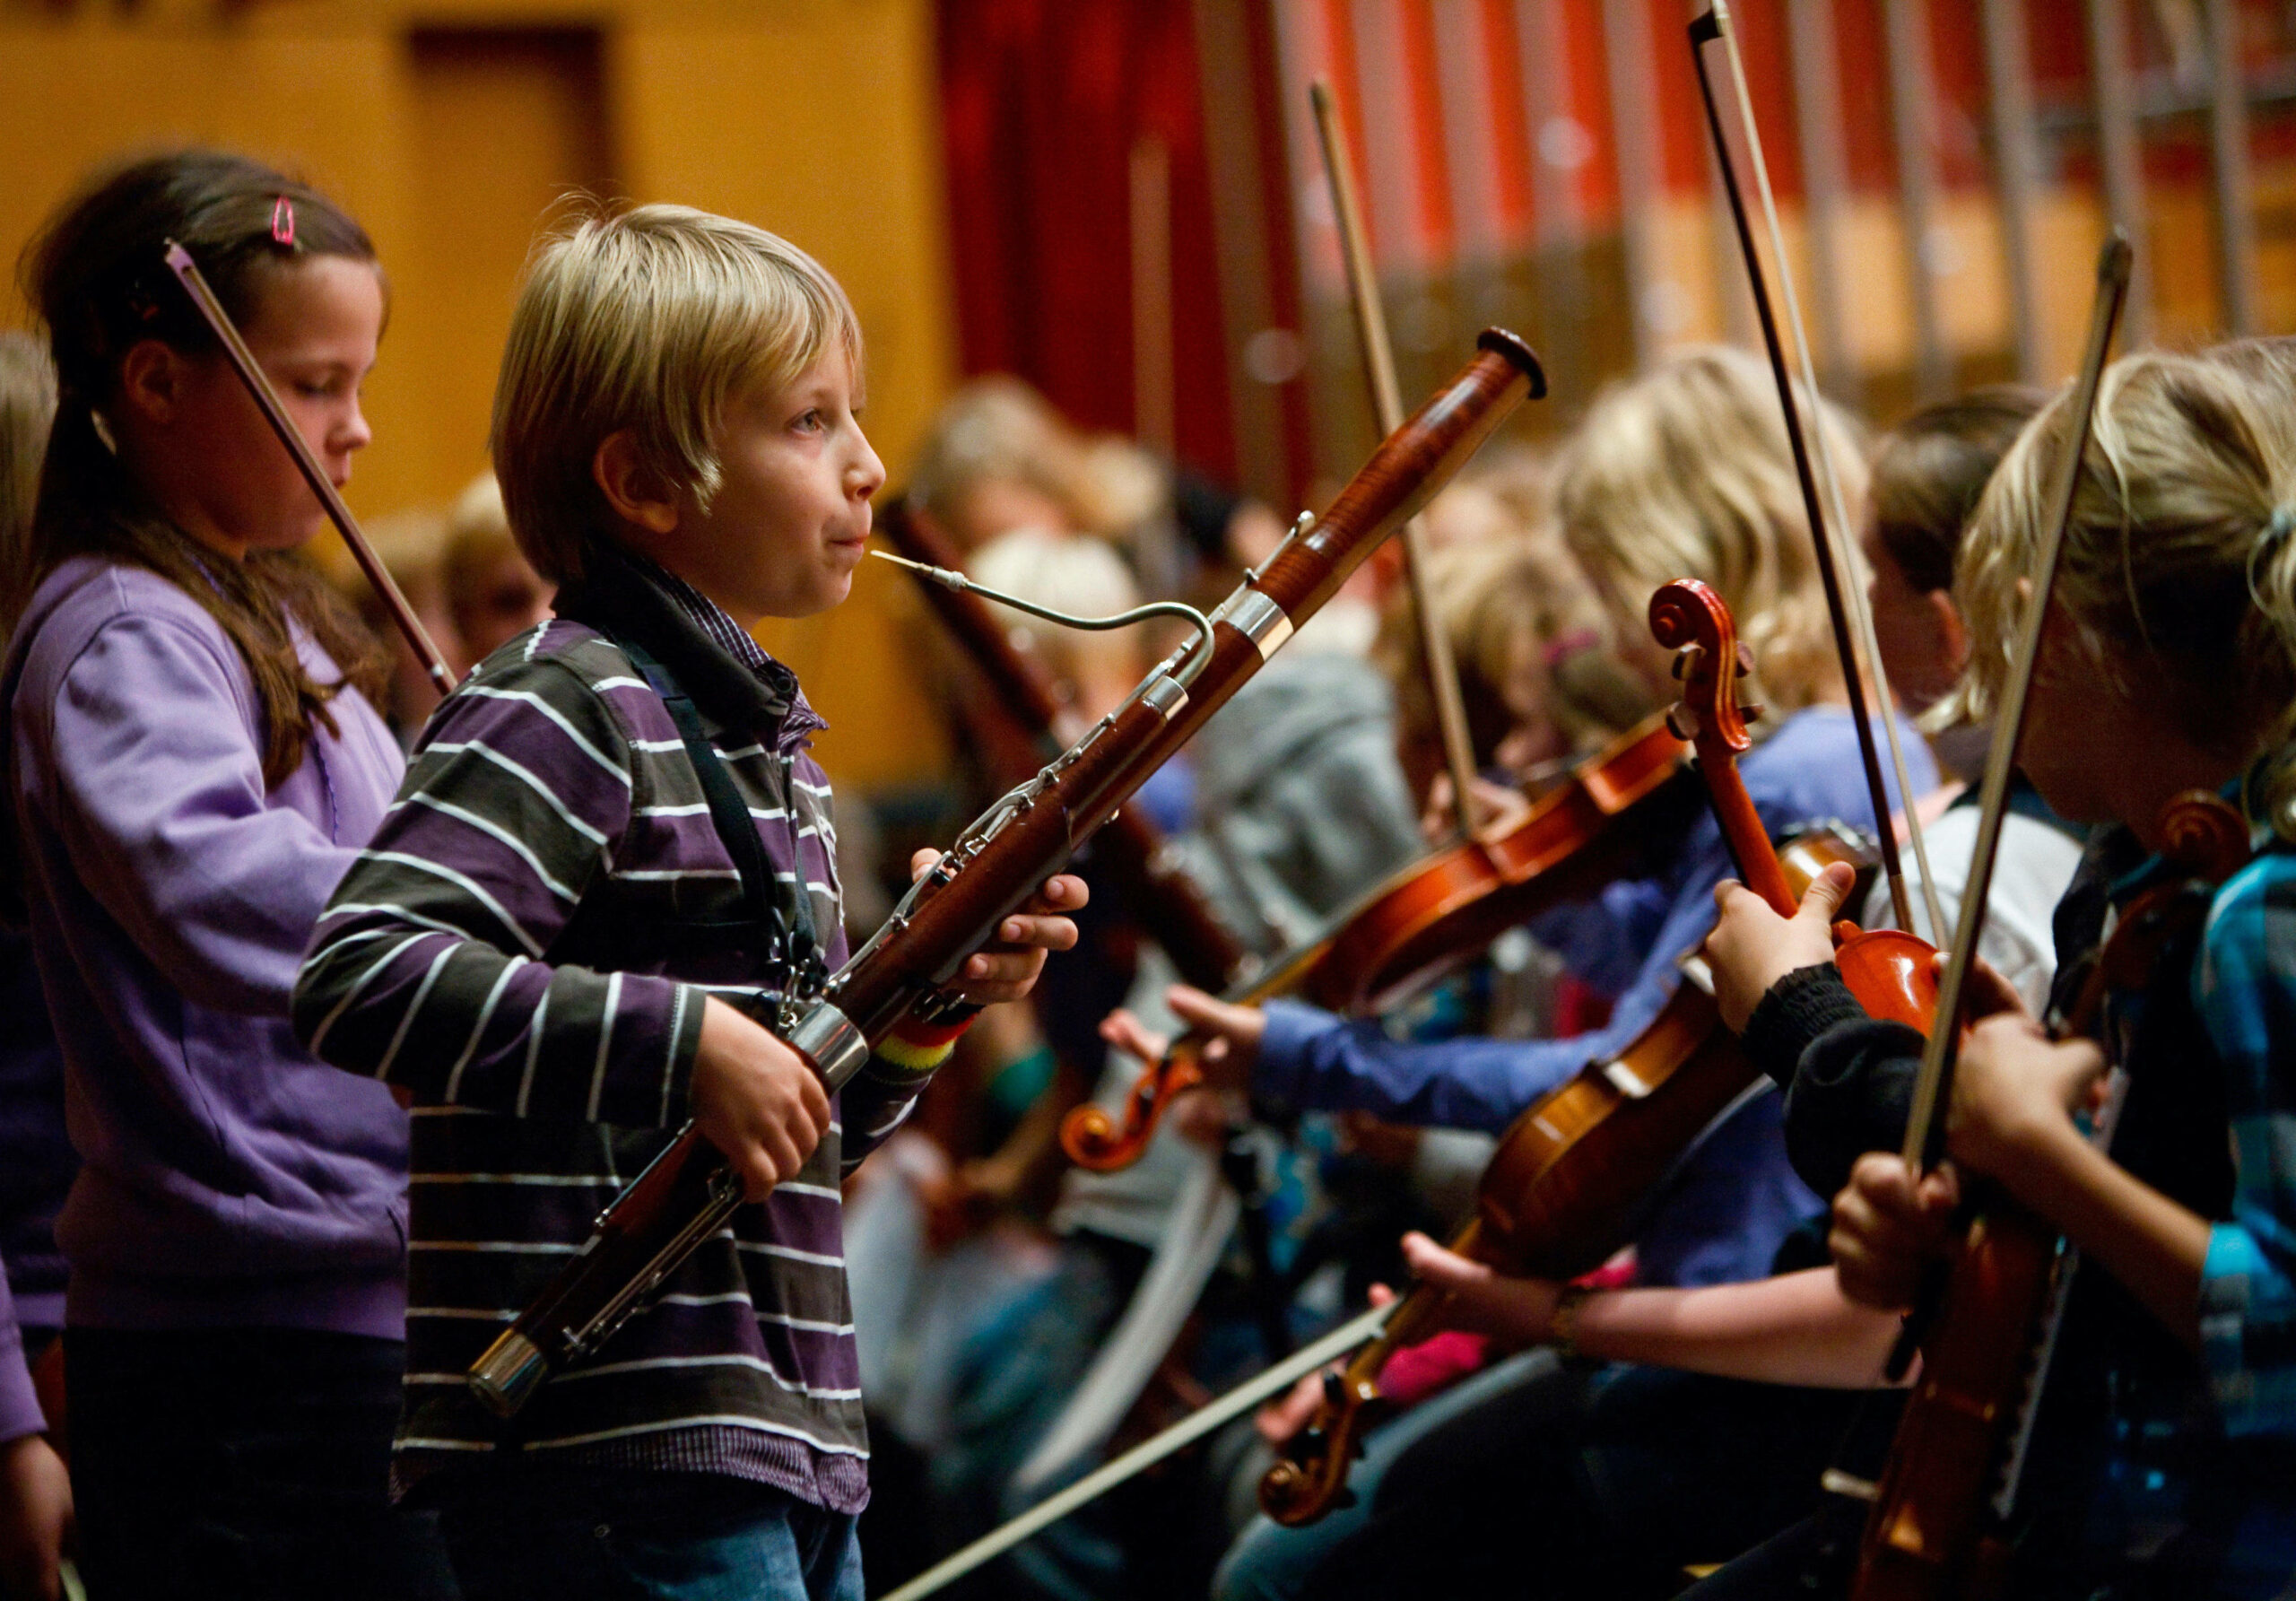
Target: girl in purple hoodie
<point>191,761</point>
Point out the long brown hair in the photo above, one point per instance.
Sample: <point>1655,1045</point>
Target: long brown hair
<point>96,277</point>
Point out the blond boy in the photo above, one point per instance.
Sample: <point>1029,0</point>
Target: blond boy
<point>558,940</point>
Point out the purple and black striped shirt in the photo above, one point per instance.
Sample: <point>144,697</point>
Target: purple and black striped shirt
<point>508,949</point>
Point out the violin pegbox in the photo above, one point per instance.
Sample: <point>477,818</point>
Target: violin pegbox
<point>1688,618</point>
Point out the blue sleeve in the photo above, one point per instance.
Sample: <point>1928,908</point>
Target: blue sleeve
<point>1314,1061</point>
<point>2245,986</point>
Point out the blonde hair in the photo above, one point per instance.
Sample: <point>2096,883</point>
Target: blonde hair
<point>999,427</point>
<point>2179,568</point>
<point>1499,600</point>
<point>27,407</point>
<point>648,320</point>
<point>1686,473</point>
<point>1075,573</point>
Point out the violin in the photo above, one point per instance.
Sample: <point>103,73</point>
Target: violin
<point>1572,1172</point>
<point>1891,972</point>
<point>1435,914</point>
<point>1954,1463</point>
<point>1166,902</point>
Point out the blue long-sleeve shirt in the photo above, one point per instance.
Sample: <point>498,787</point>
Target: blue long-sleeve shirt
<point>1728,1209</point>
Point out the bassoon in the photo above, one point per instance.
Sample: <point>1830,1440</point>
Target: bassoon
<point>687,1193</point>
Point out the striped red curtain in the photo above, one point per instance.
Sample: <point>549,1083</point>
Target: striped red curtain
<point>1043,102</point>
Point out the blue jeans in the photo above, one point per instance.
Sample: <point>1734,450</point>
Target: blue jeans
<point>563,1535</point>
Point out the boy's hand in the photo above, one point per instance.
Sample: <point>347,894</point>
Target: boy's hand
<point>1233,1035</point>
<point>1495,808</point>
<point>1887,1227</point>
<point>1985,993</point>
<point>1752,948</point>
<point>2015,1090</point>
<point>1006,968</point>
<point>1516,1313</point>
<point>1203,1113</point>
<point>35,1518</point>
<point>755,1100</point>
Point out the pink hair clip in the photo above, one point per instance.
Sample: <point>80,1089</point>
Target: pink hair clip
<point>283,221</point>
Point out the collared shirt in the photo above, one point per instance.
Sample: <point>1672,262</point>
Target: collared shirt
<point>707,616</point>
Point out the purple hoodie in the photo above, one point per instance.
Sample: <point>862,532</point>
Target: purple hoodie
<point>229,1179</point>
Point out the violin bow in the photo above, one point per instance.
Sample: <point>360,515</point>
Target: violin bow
<point>266,400</point>
<point>1829,536</point>
<point>1938,1056</point>
<point>1386,410</point>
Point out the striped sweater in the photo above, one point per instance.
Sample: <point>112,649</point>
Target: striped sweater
<point>509,950</point>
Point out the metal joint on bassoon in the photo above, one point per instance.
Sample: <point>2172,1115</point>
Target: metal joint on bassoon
<point>1258,618</point>
<point>826,1037</point>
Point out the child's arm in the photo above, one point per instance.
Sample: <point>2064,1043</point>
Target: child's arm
<point>35,1490</point>
<point>1309,1059</point>
<point>1794,1328</point>
<point>2012,1119</point>
<point>426,971</point>
<point>160,802</point>
<point>1848,1077</point>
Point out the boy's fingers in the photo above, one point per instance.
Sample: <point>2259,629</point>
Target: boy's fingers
<point>1062,891</point>
<point>1122,1029</point>
<point>997,970</point>
<point>1207,1011</point>
<point>1039,933</point>
<point>1442,1268</point>
<point>760,1171</point>
<point>1826,892</point>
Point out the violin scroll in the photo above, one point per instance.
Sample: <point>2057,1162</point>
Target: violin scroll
<point>1310,1478</point>
<point>1687,617</point>
<point>1311,1481</point>
<point>1098,1142</point>
<point>2204,835</point>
